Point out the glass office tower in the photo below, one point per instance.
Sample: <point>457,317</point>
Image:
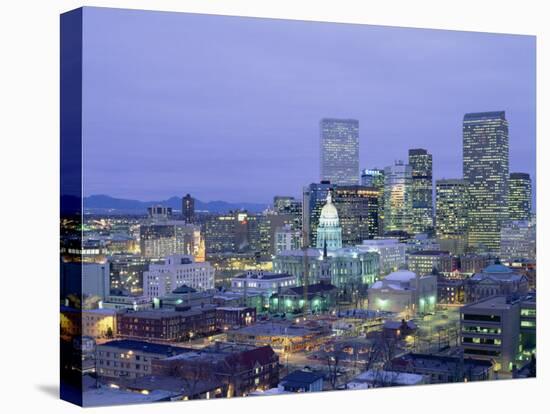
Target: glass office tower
<point>486,172</point>
<point>420,161</point>
<point>340,151</point>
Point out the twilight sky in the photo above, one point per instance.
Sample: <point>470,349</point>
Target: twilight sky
<point>228,108</point>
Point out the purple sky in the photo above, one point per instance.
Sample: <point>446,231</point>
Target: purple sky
<point>228,108</point>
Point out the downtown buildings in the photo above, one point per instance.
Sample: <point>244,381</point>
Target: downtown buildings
<point>451,214</point>
<point>398,198</point>
<point>520,198</point>
<point>420,162</point>
<point>176,271</point>
<point>486,173</point>
<point>340,151</point>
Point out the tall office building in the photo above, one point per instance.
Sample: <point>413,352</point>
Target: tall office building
<point>420,161</point>
<point>358,210</point>
<point>397,197</point>
<point>519,201</point>
<point>451,214</point>
<point>375,178</point>
<point>340,151</point>
<point>486,169</point>
<point>188,208</point>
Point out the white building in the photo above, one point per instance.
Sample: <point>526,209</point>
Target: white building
<point>404,291</point>
<point>391,252</point>
<point>287,238</point>
<point>263,281</point>
<point>177,270</point>
<point>329,232</point>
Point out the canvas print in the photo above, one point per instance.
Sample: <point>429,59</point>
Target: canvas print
<point>255,207</point>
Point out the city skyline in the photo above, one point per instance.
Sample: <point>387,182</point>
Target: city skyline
<point>150,117</point>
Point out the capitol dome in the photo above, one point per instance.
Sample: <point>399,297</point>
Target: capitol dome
<point>329,232</point>
<point>329,214</point>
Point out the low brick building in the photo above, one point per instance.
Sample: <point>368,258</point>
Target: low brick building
<point>162,325</point>
<point>241,369</point>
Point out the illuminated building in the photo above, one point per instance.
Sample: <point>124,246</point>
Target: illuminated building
<point>291,208</point>
<point>495,279</point>
<point>451,214</point>
<point>130,359</point>
<point>340,151</point>
<point>233,316</point>
<point>314,199</point>
<point>177,270</point>
<point>159,239</point>
<point>166,325</point>
<point>321,297</point>
<point>518,240</point>
<point>404,291</point>
<point>422,219</point>
<point>425,261</point>
<point>520,197</point>
<point>397,198</point>
<point>284,336</point>
<point>188,209</point>
<point>126,272</point>
<point>341,267</point>
<point>287,239</point>
<point>358,213</point>
<point>375,178</point>
<point>391,253</point>
<point>329,232</point>
<point>99,323</point>
<point>491,330</point>
<point>184,297</point>
<point>237,368</point>
<point>450,291</point>
<point>226,233</point>
<point>486,172</point>
<point>126,302</point>
<point>265,282</point>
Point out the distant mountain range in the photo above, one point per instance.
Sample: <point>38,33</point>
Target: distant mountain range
<point>97,204</point>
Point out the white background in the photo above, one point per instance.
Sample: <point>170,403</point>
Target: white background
<point>29,158</point>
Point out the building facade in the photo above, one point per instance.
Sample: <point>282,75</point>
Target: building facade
<point>451,214</point>
<point>422,220</point>
<point>520,198</point>
<point>340,151</point>
<point>176,271</point>
<point>397,198</point>
<point>486,172</point>
<point>404,291</point>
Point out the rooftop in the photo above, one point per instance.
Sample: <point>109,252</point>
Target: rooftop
<point>302,377</point>
<point>263,276</point>
<point>142,346</point>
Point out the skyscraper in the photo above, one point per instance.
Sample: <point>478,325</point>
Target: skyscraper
<point>375,178</point>
<point>519,202</point>
<point>188,208</point>
<point>340,151</point>
<point>422,190</point>
<point>486,169</point>
<point>451,214</point>
<point>358,211</point>
<point>397,197</point>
